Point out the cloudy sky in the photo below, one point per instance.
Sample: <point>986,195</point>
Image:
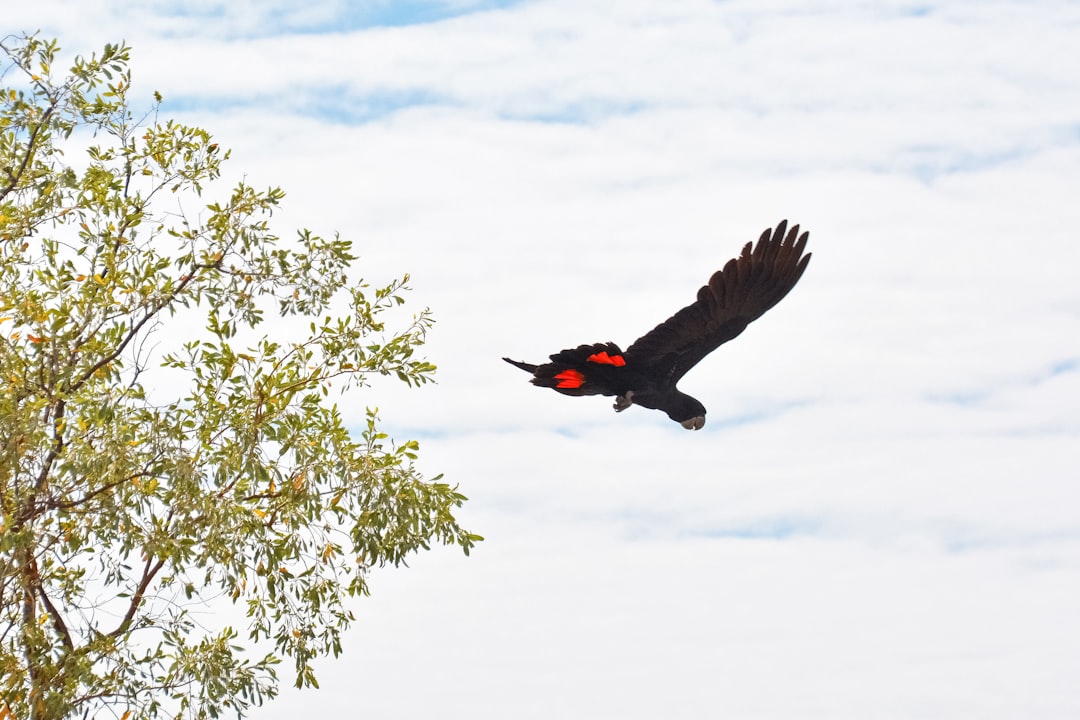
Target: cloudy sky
<point>881,517</point>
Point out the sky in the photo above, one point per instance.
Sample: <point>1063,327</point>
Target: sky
<point>881,517</point>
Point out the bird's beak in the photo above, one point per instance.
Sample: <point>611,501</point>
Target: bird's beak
<point>694,423</point>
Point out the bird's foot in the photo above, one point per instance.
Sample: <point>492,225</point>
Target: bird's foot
<point>624,401</point>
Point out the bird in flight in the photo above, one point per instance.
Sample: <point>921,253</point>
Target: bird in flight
<point>648,371</point>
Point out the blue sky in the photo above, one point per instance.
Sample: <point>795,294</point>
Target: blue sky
<point>269,19</point>
<point>881,516</point>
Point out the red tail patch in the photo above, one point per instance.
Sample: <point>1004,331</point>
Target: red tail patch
<point>604,359</point>
<point>570,379</point>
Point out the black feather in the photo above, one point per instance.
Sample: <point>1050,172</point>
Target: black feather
<point>646,374</point>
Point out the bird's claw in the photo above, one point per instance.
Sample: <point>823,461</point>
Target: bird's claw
<point>623,401</point>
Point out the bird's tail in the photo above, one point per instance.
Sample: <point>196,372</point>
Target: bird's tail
<point>523,365</point>
<point>585,370</point>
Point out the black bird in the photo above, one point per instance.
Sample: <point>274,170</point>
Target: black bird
<point>647,373</point>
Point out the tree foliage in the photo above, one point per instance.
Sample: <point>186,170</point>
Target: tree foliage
<point>145,494</point>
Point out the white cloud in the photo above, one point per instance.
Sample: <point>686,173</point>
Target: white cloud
<point>879,518</point>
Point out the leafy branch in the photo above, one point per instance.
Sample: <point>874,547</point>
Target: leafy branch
<point>230,476</point>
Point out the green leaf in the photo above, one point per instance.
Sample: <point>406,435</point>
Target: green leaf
<point>236,478</point>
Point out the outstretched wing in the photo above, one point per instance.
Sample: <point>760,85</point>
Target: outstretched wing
<point>735,296</point>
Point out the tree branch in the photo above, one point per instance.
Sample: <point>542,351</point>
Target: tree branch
<point>71,505</point>
<point>31,149</point>
<point>55,450</point>
<point>149,571</point>
<point>30,508</point>
<point>131,333</point>
<point>57,618</point>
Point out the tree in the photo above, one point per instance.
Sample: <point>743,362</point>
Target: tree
<point>144,485</point>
